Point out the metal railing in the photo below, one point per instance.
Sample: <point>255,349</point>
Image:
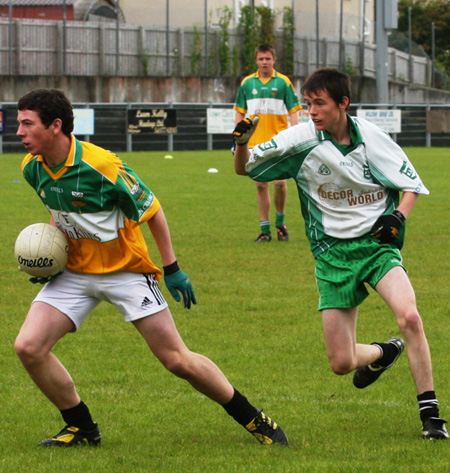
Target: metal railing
<point>110,127</point>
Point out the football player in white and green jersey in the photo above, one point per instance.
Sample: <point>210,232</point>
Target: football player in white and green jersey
<point>349,176</point>
<point>271,96</point>
<point>100,204</point>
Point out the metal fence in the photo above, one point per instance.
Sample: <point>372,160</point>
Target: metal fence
<point>55,48</point>
<point>110,127</point>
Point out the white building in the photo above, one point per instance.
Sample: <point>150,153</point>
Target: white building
<point>357,15</point>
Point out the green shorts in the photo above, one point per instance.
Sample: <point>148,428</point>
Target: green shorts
<point>343,270</point>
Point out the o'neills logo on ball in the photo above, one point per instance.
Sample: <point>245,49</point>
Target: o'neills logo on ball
<point>35,262</point>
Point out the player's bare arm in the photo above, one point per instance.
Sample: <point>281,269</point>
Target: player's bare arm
<point>293,117</point>
<point>241,155</point>
<point>160,230</point>
<point>239,116</point>
<point>407,203</point>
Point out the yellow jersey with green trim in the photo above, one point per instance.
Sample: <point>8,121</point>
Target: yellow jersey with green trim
<point>271,99</point>
<point>99,203</point>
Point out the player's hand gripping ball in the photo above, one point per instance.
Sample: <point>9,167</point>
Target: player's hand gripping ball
<point>244,130</point>
<point>41,250</point>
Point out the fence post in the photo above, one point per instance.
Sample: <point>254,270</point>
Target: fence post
<point>394,135</point>
<point>141,51</point>
<point>209,136</point>
<point>429,72</point>
<point>10,39</point>
<point>101,52</point>
<point>394,63</point>
<point>170,135</point>
<point>411,79</point>
<point>88,137</point>
<point>325,52</point>
<point>181,37</point>
<point>18,61</point>
<point>59,69</point>
<point>129,137</point>
<point>427,134</point>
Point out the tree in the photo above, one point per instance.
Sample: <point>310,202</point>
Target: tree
<point>423,14</point>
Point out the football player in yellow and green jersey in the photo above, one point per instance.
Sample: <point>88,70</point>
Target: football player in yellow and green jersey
<point>272,98</point>
<point>269,95</point>
<point>100,205</point>
<point>98,202</point>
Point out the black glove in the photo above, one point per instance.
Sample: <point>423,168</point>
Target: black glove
<point>386,228</point>
<point>244,130</point>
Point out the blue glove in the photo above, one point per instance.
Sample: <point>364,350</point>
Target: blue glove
<point>44,280</point>
<point>178,282</point>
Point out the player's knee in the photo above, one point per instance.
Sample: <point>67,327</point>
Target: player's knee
<point>280,185</point>
<point>410,321</point>
<point>262,187</point>
<point>177,365</point>
<point>27,351</point>
<point>342,366</point>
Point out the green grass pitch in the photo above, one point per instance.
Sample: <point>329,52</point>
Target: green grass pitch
<point>256,317</point>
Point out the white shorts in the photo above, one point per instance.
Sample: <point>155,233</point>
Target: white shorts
<point>136,295</point>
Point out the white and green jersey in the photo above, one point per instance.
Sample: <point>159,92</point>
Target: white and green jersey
<point>99,203</point>
<point>271,99</point>
<point>342,190</point>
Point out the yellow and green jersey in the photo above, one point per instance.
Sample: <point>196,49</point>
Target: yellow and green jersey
<point>271,99</point>
<point>99,203</point>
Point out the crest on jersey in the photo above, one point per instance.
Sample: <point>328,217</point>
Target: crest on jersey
<point>324,170</point>
<point>78,201</point>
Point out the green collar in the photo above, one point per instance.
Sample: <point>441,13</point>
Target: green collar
<point>57,167</point>
<point>355,137</point>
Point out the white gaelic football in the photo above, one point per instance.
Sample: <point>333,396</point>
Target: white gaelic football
<point>41,250</point>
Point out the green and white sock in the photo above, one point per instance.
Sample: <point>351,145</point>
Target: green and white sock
<point>265,227</point>
<point>279,219</point>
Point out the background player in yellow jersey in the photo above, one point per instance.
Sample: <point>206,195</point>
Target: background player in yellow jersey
<point>100,203</point>
<point>272,97</point>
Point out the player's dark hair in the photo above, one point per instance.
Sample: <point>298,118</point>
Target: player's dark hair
<point>336,83</point>
<point>265,48</point>
<point>49,104</point>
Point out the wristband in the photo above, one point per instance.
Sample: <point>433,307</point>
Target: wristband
<point>400,216</point>
<point>171,268</point>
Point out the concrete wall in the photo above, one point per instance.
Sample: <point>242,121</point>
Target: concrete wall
<point>190,90</point>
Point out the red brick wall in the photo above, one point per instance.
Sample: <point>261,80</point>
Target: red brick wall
<point>38,13</point>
